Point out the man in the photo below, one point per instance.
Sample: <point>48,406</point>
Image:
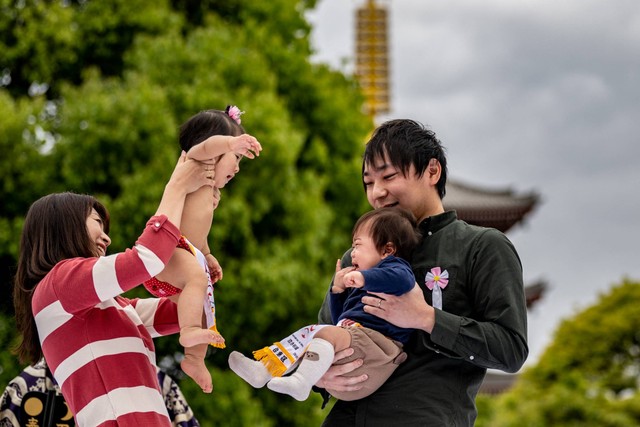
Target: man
<point>469,309</point>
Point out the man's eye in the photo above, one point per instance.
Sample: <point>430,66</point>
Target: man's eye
<point>390,176</point>
<point>367,184</point>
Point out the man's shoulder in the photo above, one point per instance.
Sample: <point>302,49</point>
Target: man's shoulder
<point>473,229</point>
<point>477,235</point>
<point>346,258</point>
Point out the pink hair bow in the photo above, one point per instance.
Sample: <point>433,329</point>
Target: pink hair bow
<point>234,112</point>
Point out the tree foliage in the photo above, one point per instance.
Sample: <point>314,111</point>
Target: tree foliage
<point>588,376</point>
<point>92,94</point>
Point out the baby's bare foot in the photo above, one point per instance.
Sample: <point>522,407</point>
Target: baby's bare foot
<point>192,335</point>
<point>197,370</point>
<point>217,338</point>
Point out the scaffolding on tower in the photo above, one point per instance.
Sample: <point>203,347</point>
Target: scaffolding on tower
<point>372,61</point>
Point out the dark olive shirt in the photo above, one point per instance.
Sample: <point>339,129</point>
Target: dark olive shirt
<point>482,324</point>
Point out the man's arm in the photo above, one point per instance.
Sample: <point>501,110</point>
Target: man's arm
<point>497,336</point>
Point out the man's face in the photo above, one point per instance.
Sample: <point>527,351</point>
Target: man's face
<point>385,185</point>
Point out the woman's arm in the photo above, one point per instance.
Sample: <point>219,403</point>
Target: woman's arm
<point>80,283</point>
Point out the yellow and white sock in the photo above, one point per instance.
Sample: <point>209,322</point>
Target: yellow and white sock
<point>252,371</point>
<point>316,361</point>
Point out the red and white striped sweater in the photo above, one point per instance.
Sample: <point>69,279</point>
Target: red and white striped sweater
<point>99,345</point>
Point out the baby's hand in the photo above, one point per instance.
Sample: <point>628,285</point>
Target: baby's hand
<point>216,197</point>
<point>338,280</point>
<point>354,279</point>
<point>215,270</point>
<point>245,145</point>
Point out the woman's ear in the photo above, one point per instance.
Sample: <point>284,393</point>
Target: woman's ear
<point>389,249</point>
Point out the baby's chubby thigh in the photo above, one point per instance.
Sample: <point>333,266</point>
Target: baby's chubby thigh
<point>182,270</point>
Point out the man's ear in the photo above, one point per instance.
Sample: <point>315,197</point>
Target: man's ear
<point>389,249</point>
<point>434,170</point>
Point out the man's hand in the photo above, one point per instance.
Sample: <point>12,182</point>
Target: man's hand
<point>409,310</point>
<point>334,378</point>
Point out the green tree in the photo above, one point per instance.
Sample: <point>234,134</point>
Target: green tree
<point>588,376</point>
<point>92,103</point>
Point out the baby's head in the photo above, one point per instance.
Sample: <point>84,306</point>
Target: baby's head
<point>383,232</point>
<point>209,123</point>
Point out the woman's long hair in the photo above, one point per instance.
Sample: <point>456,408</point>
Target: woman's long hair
<point>55,229</point>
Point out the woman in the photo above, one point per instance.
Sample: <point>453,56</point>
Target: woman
<point>98,344</point>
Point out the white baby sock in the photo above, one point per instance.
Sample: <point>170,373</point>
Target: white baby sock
<point>252,371</point>
<point>316,361</point>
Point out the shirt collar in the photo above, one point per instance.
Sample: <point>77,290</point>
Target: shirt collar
<point>438,222</point>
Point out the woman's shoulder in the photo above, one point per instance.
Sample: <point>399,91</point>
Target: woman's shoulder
<point>62,272</point>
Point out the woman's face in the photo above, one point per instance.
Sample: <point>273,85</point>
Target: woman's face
<point>98,237</point>
<point>226,168</point>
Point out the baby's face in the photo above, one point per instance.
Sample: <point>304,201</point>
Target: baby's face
<point>227,167</point>
<point>364,254</point>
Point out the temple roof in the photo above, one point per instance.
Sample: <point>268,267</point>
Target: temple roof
<point>500,209</point>
<point>534,291</point>
<point>497,382</point>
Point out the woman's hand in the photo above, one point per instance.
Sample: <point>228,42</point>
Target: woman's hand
<point>409,310</point>
<point>190,175</point>
<point>187,177</point>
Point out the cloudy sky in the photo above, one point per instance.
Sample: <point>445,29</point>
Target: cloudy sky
<point>538,96</point>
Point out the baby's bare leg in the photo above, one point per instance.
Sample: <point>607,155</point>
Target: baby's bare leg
<point>337,336</point>
<point>193,365</point>
<point>183,271</point>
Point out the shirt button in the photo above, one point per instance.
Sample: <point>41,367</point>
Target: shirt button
<point>156,224</point>
<point>429,233</point>
<point>471,357</point>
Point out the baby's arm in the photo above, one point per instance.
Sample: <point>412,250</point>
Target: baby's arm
<point>217,145</point>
